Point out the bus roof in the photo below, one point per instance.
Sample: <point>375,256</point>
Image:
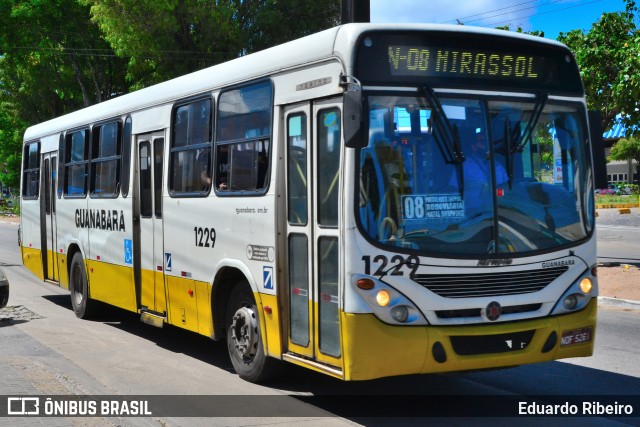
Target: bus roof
<point>335,42</point>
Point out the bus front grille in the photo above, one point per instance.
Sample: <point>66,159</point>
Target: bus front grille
<point>489,284</point>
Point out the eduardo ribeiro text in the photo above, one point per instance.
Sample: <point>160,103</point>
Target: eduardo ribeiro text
<point>567,408</point>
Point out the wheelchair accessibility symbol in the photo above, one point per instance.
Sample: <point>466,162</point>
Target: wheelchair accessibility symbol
<point>128,251</point>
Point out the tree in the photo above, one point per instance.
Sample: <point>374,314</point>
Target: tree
<point>11,129</point>
<point>627,149</point>
<point>536,33</point>
<point>170,38</point>
<point>272,22</point>
<point>57,56</point>
<point>54,59</point>
<point>609,60</point>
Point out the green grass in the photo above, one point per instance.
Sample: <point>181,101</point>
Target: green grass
<point>616,200</point>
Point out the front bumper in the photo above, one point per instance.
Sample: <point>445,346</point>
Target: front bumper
<point>373,349</point>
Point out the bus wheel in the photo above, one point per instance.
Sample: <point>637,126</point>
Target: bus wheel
<point>82,305</point>
<point>244,339</point>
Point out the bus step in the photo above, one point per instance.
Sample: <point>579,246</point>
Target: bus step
<point>152,319</point>
<point>318,366</point>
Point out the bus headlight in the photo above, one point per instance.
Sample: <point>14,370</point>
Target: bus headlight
<point>578,295</point>
<point>400,313</point>
<point>570,302</point>
<point>387,303</point>
<point>586,285</point>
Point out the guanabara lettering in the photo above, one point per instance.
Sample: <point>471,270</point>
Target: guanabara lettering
<point>561,263</point>
<point>101,219</point>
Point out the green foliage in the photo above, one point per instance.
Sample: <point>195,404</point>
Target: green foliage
<point>55,60</point>
<point>57,56</point>
<point>168,38</point>
<point>635,188</point>
<point>609,59</point>
<point>537,33</point>
<point>606,199</point>
<point>11,129</point>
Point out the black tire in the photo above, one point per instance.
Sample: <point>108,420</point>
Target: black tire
<point>83,306</point>
<point>244,337</point>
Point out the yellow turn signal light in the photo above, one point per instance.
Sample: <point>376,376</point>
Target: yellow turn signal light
<point>585,285</point>
<point>383,298</point>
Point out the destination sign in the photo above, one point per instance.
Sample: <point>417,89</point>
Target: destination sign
<point>467,60</point>
<point>449,62</point>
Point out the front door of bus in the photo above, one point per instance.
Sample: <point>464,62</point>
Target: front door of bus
<point>313,184</point>
<point>48,216</point>
<point>148,240</point>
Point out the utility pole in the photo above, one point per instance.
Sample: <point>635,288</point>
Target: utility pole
<point>356,11</point>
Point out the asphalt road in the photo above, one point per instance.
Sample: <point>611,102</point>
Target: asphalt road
<point>618,236</point>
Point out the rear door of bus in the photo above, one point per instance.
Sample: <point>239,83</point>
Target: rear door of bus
<point>48,216</point>
<point>148,239</point>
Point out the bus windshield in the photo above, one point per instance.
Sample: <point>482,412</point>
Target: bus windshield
<point>519,181</point>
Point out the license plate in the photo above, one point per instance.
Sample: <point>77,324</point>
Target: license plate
<point>577,336</point>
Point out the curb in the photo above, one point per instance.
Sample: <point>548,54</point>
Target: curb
<point>617,206</point>
<point>621,303</point>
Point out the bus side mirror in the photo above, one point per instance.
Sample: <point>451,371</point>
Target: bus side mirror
<point>352,109</point>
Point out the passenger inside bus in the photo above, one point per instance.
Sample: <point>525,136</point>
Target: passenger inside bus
<point>477,171</point>
<point>203,163</point>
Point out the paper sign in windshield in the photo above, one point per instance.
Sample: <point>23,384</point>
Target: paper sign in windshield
<point>432,206</point>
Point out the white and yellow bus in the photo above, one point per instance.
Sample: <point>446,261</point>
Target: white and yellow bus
<point>368,201</point>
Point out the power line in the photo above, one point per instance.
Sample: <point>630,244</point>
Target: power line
<point>515,11</point>
<point>491,11</point>
<point>541,13</point>
<point>483,18</point>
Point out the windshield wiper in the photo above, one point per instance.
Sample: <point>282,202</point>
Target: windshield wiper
<point>446,136</point>
<point>541,100</point>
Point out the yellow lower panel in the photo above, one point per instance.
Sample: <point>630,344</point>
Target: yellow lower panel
<point>374,349</point>
<point>64,273</point>
<point>112,284</point>
<point>159,293</point>
<point>32,259</point>
<point>52,265</point>
<point>183,308</point>
<point>203,295</point>
<point>271,327</point>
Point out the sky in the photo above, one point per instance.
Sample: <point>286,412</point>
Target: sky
<point>551,16</point>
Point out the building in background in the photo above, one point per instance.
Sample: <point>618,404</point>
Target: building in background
<point>618,171</point>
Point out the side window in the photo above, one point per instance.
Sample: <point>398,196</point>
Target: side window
<point>190,153</point>
<point>126,156</point>
<point>105,160</point>
<point>297,169</point>
<point>31,171</point>
<point>76,163</point>
<point>243,138</point>
<point>328,131</point>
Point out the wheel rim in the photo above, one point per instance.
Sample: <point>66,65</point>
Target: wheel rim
<point>244,332</point>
